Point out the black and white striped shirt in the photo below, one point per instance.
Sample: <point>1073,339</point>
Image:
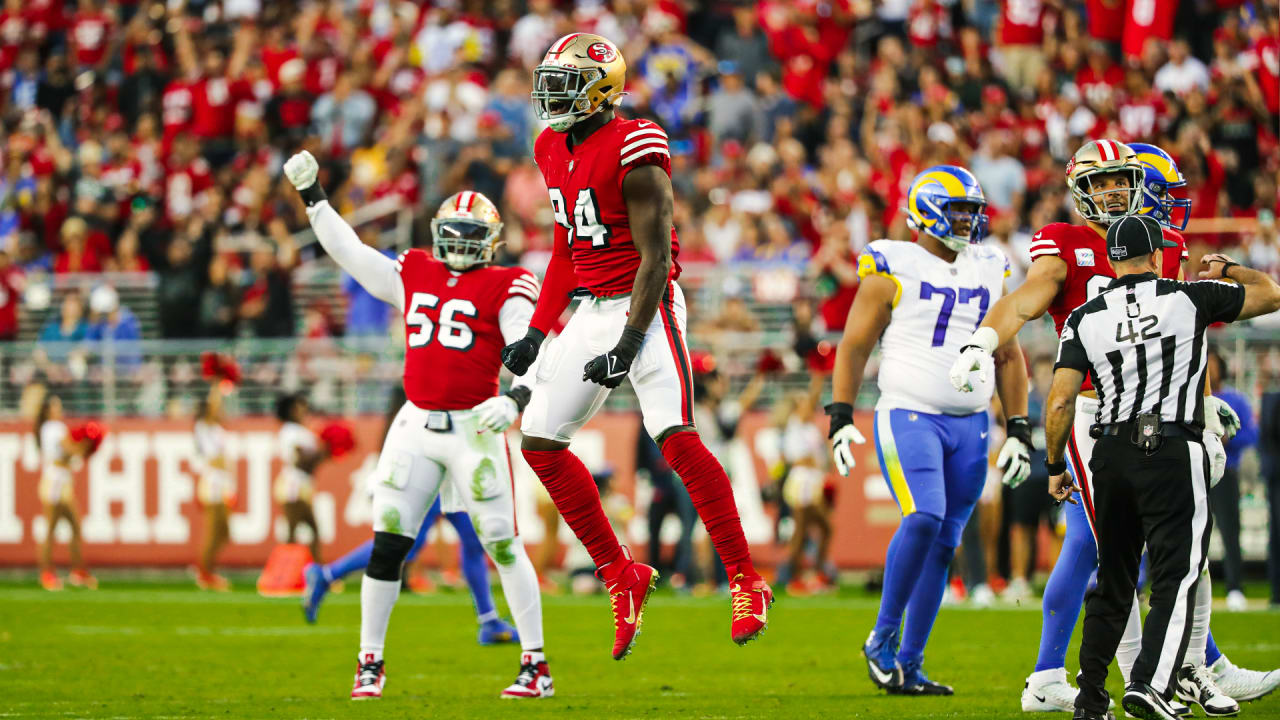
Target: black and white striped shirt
<point>1142,343</point>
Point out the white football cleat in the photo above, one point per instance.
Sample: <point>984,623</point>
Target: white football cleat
<point>1236,601</point>
<point>1049,691</point>
<point>371,676</point>
<point>1240,684</point>
<point>534,680</point>
<point>1194,684</point>
<point>982,596</point>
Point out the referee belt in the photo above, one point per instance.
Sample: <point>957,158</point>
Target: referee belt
<point>1127,430</point>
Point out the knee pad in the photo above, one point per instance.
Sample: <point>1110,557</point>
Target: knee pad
<point>922,524</point>
<point>494,528</point>
<point>389,552</point>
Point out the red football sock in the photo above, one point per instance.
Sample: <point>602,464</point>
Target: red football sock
<point>713,497</point>
<point>574,492</point>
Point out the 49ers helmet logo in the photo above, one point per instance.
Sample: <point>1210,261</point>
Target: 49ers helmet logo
<point>601,52</point>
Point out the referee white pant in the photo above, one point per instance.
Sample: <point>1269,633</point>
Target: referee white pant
<point>1162,500</point>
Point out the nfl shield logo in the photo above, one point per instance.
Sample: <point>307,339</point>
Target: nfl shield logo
<point>1084,257</point>
<point>571,162</point>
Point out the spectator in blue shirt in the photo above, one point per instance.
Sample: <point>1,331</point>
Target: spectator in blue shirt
<point>111,322</point>
<point>1224,498</point>
<point>366,314</point>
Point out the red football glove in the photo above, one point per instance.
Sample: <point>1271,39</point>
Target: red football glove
<point>338,438</point>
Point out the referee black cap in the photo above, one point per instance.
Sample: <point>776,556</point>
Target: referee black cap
<point>1133,236</point>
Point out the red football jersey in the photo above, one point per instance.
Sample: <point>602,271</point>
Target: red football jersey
<point>453,342</point>
<point>585,184</point>
<point>1088,269</point>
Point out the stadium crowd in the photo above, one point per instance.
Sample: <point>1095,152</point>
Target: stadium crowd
<point>149,137</point>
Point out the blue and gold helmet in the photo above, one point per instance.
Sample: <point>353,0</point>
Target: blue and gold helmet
<point>929,202</point>
<point>1162,175</point>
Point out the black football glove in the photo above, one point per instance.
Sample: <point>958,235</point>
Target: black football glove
<point>519,355</point>
<point>609,369</point>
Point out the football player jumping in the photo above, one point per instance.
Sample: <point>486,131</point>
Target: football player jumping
<point>1107,180</point>
<point>458,310</point>
<point>610,186</point>
<point>919,301</point>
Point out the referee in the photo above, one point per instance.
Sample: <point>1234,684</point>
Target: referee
<point>1142,343</point>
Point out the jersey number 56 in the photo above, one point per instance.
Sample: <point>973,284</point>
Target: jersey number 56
<point>454,333</point>
<point>586,217</point>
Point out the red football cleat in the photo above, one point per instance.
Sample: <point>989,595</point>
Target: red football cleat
<point>751,597</point>
<point>371,676</point>
<point>49,580</point>
<point>206,580</point>
<point>82,579</point>
<point>629,585</point>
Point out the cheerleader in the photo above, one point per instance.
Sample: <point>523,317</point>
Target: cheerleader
<point>301,451</point>
<point>60,448</point>
<point>217,488</point>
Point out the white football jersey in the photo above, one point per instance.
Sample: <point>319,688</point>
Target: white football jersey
<point>937,307</point>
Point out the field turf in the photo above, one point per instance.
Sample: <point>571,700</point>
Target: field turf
<point>134,650</point>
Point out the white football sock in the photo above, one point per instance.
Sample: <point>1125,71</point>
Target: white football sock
<point>377,599</point>
<point>520,585</point>
<point>1131,642</point>
<point>1199,638</point>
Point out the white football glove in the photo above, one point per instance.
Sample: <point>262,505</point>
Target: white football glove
<point>301,169</point>
<point>1217,457</point>
<point>974,356</point>
<point>497,413</point>
<point>1015,461</point>
<point>1220,418</point>
<point>841,447</point>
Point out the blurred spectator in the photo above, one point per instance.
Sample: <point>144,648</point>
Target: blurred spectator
<point>1029,505</point>
<point>342,116</point>
<point>669,498</point>
<point>181,269</point>
<point>219,302</point>
<point>534,32</point>
<point>69,326</point>
<point>1183,73</point>
<point>745,45</point>
<point>114,325</point>
<point>1269,453</point>
<point>267,300</point>
<point>12,282</point>
<point>1002,177</point>
<point>366,314</point>
<point>76,255</point>
<point>1225,496</point>
<point>1020,38</point>
<point>733,112</point>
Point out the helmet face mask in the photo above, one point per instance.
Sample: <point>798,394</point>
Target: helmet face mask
<point>580,75</point>
<point>946,203</point>
<point>1105,178</point>
<point>466,231</point>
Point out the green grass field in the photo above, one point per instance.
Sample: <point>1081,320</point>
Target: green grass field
<point>164,650</point>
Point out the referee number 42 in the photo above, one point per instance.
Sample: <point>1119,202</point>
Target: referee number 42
<point>1126,331</point>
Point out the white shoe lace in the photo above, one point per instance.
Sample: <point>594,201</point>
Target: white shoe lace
<point>369,674</point>
<point>1208,689</point>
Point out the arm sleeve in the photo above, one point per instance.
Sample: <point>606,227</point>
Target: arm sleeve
<point>375,271</point>
<point>559,281</point>
<point>1071,352</point>
<point>1217,301</point>
<point>513,319</point>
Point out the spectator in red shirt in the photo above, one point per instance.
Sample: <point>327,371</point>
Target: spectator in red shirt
<point>11,284</point>
<point>76,255</point>
<point>90,35</point>
<point>13,32</point>
<point>1100,78</point>
<point>1142,110</point>
<point>187,176</point>
<point>1020,37</point>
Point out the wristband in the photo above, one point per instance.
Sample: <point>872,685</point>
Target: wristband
<point>521,394</point>
<point>313,194</point>
<point>1227,266</point>
<point>841,414</point>
<point>1055,468</point>
<point>630,342</point>
<point>1019,427</point>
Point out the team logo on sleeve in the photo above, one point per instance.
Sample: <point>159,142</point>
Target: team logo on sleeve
<point>1084,257</point>
<point>602,53</point>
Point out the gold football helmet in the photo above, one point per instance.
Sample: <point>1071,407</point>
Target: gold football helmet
<point>579,76</point>
<point>466,231</point>
<point>1095,159</point>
